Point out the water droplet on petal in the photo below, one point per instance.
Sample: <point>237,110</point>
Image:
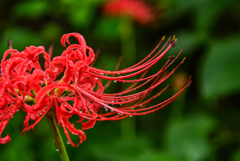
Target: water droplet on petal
<point>115,81</point>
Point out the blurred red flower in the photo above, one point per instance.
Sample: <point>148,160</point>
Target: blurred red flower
<point>135,9</point>
<point>68,85</point>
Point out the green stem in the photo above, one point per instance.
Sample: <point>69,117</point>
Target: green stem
<point>59,144</point>
<point>128,50</point>
<point>127,36</point>
<point>177,109</point>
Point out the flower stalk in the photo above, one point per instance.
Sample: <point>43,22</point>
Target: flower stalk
<point>128,42</point>
<point>59,144</point>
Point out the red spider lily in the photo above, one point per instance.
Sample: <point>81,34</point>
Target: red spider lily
<point>36,90</point>
<point>135,9</point>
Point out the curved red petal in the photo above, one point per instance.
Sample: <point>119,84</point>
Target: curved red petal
<point>89,124</point>
<point>7,138</point>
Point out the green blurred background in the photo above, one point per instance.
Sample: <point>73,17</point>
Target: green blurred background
<point>203,124</point>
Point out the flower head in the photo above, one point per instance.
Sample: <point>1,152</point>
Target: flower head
<point>135,9</point>
<point>68,85</point>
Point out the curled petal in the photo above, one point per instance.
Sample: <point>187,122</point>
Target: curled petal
<point>7,138</point>
<point>89,124</point>
<point>36,118</point>
<point>80,38</point>
<point>68,126</point>
<point>6,53</point>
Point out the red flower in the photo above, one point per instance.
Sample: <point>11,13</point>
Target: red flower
<point>135,9</point>
<point>27,86</point>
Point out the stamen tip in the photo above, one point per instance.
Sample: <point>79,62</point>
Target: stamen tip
<point>189,83</point>
<point>173,41</point>
<point>9,42</point>
<point>183,60</point>
<point>174,38</point>
<point>163,38</point>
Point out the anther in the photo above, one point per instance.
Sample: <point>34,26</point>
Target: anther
<point>9,42</point>
<point>163,38</point>
<point>173,41</point>
<point>171,57</point>
<point>183,60</point>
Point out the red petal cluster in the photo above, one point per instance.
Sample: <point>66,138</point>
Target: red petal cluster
<point>68,85</point>
<point>136,9</point>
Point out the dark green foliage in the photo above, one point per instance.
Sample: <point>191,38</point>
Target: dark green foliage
<point>207,30</point>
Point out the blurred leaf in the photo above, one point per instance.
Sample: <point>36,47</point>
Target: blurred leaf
<point>20,149</point>
<point>236,157</point>
<point>108,28</point>
<point>164,156</point>
<point>19,146</point>
<point>80,17</point>
<point>220,69</point>
<point>20,39</point>
<point>209,12</point>
<point>51,32</point>
<point>188,139</point>
<point>203,14</point>
<point>31,9</point>
<point>188,41</point>
<point>119,150</point>
<point>177,8</point>
<point>66,2</point>
<point>81,13</point>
